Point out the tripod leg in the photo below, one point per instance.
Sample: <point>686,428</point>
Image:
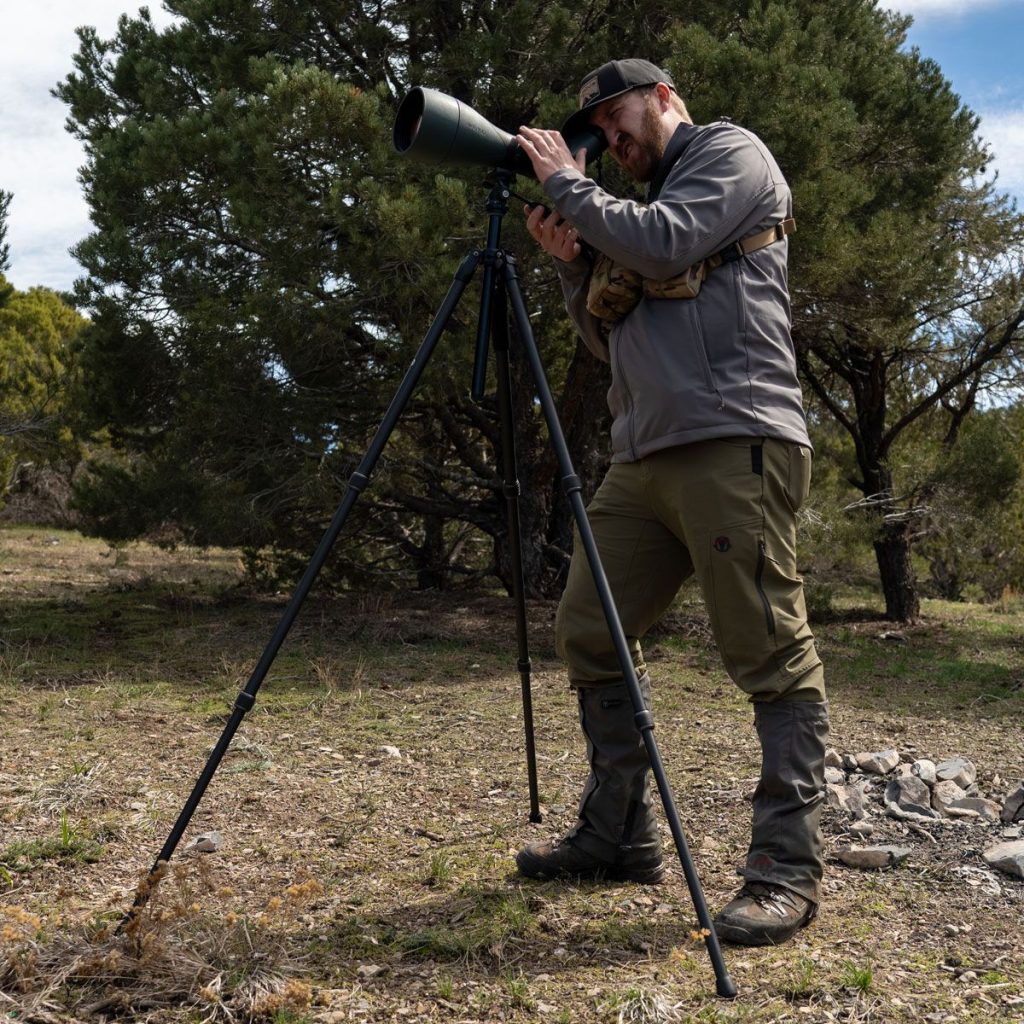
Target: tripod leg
<point>499,324</point>
<point>247,697</point>
<point>643,718</point>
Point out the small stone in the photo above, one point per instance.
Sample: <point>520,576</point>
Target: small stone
<point>924,770</point>
<point>958,770</point>
<point>879,763</point>
<point>833,759</point>
<point>849,763</point>
<point>835,775</point>
<point>988,810</point>
<point>910,793</point>
<point>944,793</point>
<point>210,842</point>
<point>1007,857</point>
<point>367,971</point>
<point>1013,832</point>
<point>861,828</point>
<point>873,858</point>
<point>1013,805</point>
<point>391,752</point>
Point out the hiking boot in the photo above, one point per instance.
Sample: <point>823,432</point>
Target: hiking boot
<point>561,858</point>
<point>764,915</point>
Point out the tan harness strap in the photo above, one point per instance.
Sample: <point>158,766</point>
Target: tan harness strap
<point>752,243</point>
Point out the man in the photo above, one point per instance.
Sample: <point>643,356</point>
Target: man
<point>686,296</point>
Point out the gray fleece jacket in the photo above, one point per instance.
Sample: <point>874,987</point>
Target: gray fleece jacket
<point>719,365</point>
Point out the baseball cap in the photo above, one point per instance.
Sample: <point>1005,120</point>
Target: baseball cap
<point>613,79</point>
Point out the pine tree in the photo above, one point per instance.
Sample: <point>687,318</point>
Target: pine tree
<point>263,266</point>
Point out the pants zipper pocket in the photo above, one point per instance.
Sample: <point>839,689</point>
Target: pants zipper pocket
<point>769,615</point>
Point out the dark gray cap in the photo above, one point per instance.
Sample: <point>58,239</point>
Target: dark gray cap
<point>613,79</point>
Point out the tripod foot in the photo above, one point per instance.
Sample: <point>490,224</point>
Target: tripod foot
<point>536,817</point>
<point>726,987</point>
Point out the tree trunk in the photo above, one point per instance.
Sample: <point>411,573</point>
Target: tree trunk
<point>892,550</point>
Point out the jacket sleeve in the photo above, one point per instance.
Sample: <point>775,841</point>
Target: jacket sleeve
<point>575,278</point>
<point>724,187</point>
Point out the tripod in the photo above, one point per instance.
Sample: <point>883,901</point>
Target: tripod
<point>500,289</point>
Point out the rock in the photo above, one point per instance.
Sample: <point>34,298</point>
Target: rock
<point>366,971</point>
<point>391,752</point>
<point>210,842</point>
<point>958,770</point>
<point>863,829</point>
<point>1013,806</point>
<point>849,763</point>
<point>873,858</point>
<point>833,759</point>
<point>847,798</point>
<point>1007,857</point>
<point>1013,832</point>
<point>924,770</point>
<point>985,809</point>
<point>835,775</point>
<point>910,793</point>
<point>879,763</point>
<point>945,793</point>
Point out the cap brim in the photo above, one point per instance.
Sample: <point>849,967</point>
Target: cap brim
<point>581,118</point>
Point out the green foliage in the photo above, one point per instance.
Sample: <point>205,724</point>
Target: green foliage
<point>38,330</point>
<point>67,846</point>
<point>263,266</point>
<point>6,290</point>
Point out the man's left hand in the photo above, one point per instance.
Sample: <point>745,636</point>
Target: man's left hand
<point>548,152</point>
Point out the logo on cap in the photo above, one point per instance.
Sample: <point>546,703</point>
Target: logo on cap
<point>591,88</point>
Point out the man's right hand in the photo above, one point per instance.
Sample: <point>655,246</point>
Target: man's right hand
<point>555,235</point>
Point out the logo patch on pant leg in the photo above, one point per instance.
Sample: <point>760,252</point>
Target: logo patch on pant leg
<point>722,544</point>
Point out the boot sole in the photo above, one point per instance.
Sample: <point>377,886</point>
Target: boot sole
<point>536,867</point>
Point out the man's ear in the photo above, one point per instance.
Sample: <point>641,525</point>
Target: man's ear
<point>664,94</point>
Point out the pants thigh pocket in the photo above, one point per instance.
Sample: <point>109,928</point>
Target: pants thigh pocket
<point>750,600</point>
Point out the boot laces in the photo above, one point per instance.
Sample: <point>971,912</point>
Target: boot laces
<point>771,898</point>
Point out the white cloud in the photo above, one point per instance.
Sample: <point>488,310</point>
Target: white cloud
<point>39,160</point>
<point>1004,131</point>
<point>922,9</point>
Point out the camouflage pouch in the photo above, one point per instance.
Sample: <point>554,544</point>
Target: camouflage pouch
<point>613,291</point>
<point>683,286</point>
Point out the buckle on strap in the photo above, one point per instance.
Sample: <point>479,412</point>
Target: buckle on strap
<point>737,250</point>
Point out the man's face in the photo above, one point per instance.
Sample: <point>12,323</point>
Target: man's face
<point>632,124</point>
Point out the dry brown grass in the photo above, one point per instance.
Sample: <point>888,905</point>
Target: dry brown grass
<point>352,885</point>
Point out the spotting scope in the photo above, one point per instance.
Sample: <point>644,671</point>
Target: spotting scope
<point>433,126</point>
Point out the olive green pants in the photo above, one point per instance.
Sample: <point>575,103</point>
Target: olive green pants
<point>725,512</point>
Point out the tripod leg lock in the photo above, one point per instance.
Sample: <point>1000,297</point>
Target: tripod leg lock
<point>512,490</point>
<point>357,481</point>
<point>571,484</point>
<point>244,702</point>
<point>644,720</point>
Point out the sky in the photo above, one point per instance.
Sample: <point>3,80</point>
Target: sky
<point>976,42</point>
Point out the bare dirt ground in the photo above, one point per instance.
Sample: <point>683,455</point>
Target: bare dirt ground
<point>351,884</point>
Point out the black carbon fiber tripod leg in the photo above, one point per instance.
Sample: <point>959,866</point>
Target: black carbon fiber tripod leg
<point>643,718</point>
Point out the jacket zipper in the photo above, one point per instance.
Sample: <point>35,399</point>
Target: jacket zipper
<point>712,386</point>
<point>769,615</point>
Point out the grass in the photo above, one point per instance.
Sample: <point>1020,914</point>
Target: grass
<point>353,885</point>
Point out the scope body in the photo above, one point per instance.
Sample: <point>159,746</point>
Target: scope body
<point>432,126</point>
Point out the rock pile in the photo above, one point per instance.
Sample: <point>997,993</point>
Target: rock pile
<point>863,788</point>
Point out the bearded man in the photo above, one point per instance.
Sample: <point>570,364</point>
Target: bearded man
<point>686,296</point>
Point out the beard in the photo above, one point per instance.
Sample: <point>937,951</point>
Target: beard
<point>640,156</point>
